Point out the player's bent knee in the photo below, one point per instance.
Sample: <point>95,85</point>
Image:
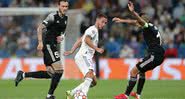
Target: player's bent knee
<point>133,73</point>
<point>57,65</point>
<point>90,74</point>
<point>58,68</point>
<point>50,70</point>
<point>94,83</point>
<point>142,75</point>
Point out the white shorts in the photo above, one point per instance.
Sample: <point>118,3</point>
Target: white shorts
<point>84,63</point>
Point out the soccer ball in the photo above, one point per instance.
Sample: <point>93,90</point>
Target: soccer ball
<point>80,95</point>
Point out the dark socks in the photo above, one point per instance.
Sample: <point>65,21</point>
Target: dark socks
<point>54,82</point>
<point>37,74</point>
<point>130,85</point>
<point>140,83</point>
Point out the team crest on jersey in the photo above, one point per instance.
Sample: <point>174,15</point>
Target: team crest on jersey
<point>58,21</point>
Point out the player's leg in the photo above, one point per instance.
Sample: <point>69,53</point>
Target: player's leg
<point>87,72</point>
<point>147,64</point>
<point>88,80</point>
<point>141,83</point>
<point>81,65</point>
<point>52,58</point>
<point>84,86</point>
<point>141,67</point>
<point>37,74</point>
<point>94,82</point>
<point>40,74</point>
<point>131,83</point>
<point>58,72</point>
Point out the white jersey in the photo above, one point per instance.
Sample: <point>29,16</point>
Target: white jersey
<point>92,31</point>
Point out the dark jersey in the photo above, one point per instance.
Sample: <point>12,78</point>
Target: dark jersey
<point>151,36</point>
<point>55,26</point>
<point>155,55</point>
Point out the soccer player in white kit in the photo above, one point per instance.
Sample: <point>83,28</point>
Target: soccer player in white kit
<point>88,44</point>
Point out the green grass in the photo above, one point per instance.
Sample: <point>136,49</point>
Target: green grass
<point>106,89</point>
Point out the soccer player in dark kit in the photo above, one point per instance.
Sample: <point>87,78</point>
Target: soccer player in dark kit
<point>154,57</point>
<point>55,25</point>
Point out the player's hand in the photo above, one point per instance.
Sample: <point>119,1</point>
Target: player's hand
<point>117,20</point>
<point>131,6</point>
<point>67,53</point>
<point>100,50</point>
<point>40,47</point>
<point>60,38</point>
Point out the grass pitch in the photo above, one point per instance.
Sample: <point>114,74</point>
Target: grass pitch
<point>105,89</point>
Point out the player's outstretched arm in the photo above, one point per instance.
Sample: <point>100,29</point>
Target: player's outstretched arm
<point>139,19</point>
<point>128,21</point>
<point>75,46</point>
<point>89,43</point>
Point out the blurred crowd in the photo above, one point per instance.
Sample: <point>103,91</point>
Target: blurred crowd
<point>18,34</point>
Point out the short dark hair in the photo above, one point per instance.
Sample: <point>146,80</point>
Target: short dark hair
<point>100,15</point>
<point>61,1</point>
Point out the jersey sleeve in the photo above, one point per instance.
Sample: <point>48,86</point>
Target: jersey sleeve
<point>49,19</point>
<point>90,33</point>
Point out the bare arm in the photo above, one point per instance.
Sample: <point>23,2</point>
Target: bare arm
<point>39,32</point>
<point>139,19</point>
<point>90,44</point>
<point>49,19</point>
<point>75,46</point>
<point>39,35</point>
<point>129,21</point>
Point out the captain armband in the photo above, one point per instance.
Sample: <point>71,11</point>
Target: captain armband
<point>146,25</point>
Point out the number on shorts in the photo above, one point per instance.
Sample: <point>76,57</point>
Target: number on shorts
<point>56,54</point>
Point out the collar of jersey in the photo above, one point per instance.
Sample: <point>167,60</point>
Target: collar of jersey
<point>61,15</point>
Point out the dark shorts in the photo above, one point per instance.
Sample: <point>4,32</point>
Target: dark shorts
<point>51,54</point>
<point>151,60</point>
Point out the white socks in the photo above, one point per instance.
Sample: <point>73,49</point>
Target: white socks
<point>48,95</point>
<point>86,85</point>
<point>83,86</point>
<point>79,87</point>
